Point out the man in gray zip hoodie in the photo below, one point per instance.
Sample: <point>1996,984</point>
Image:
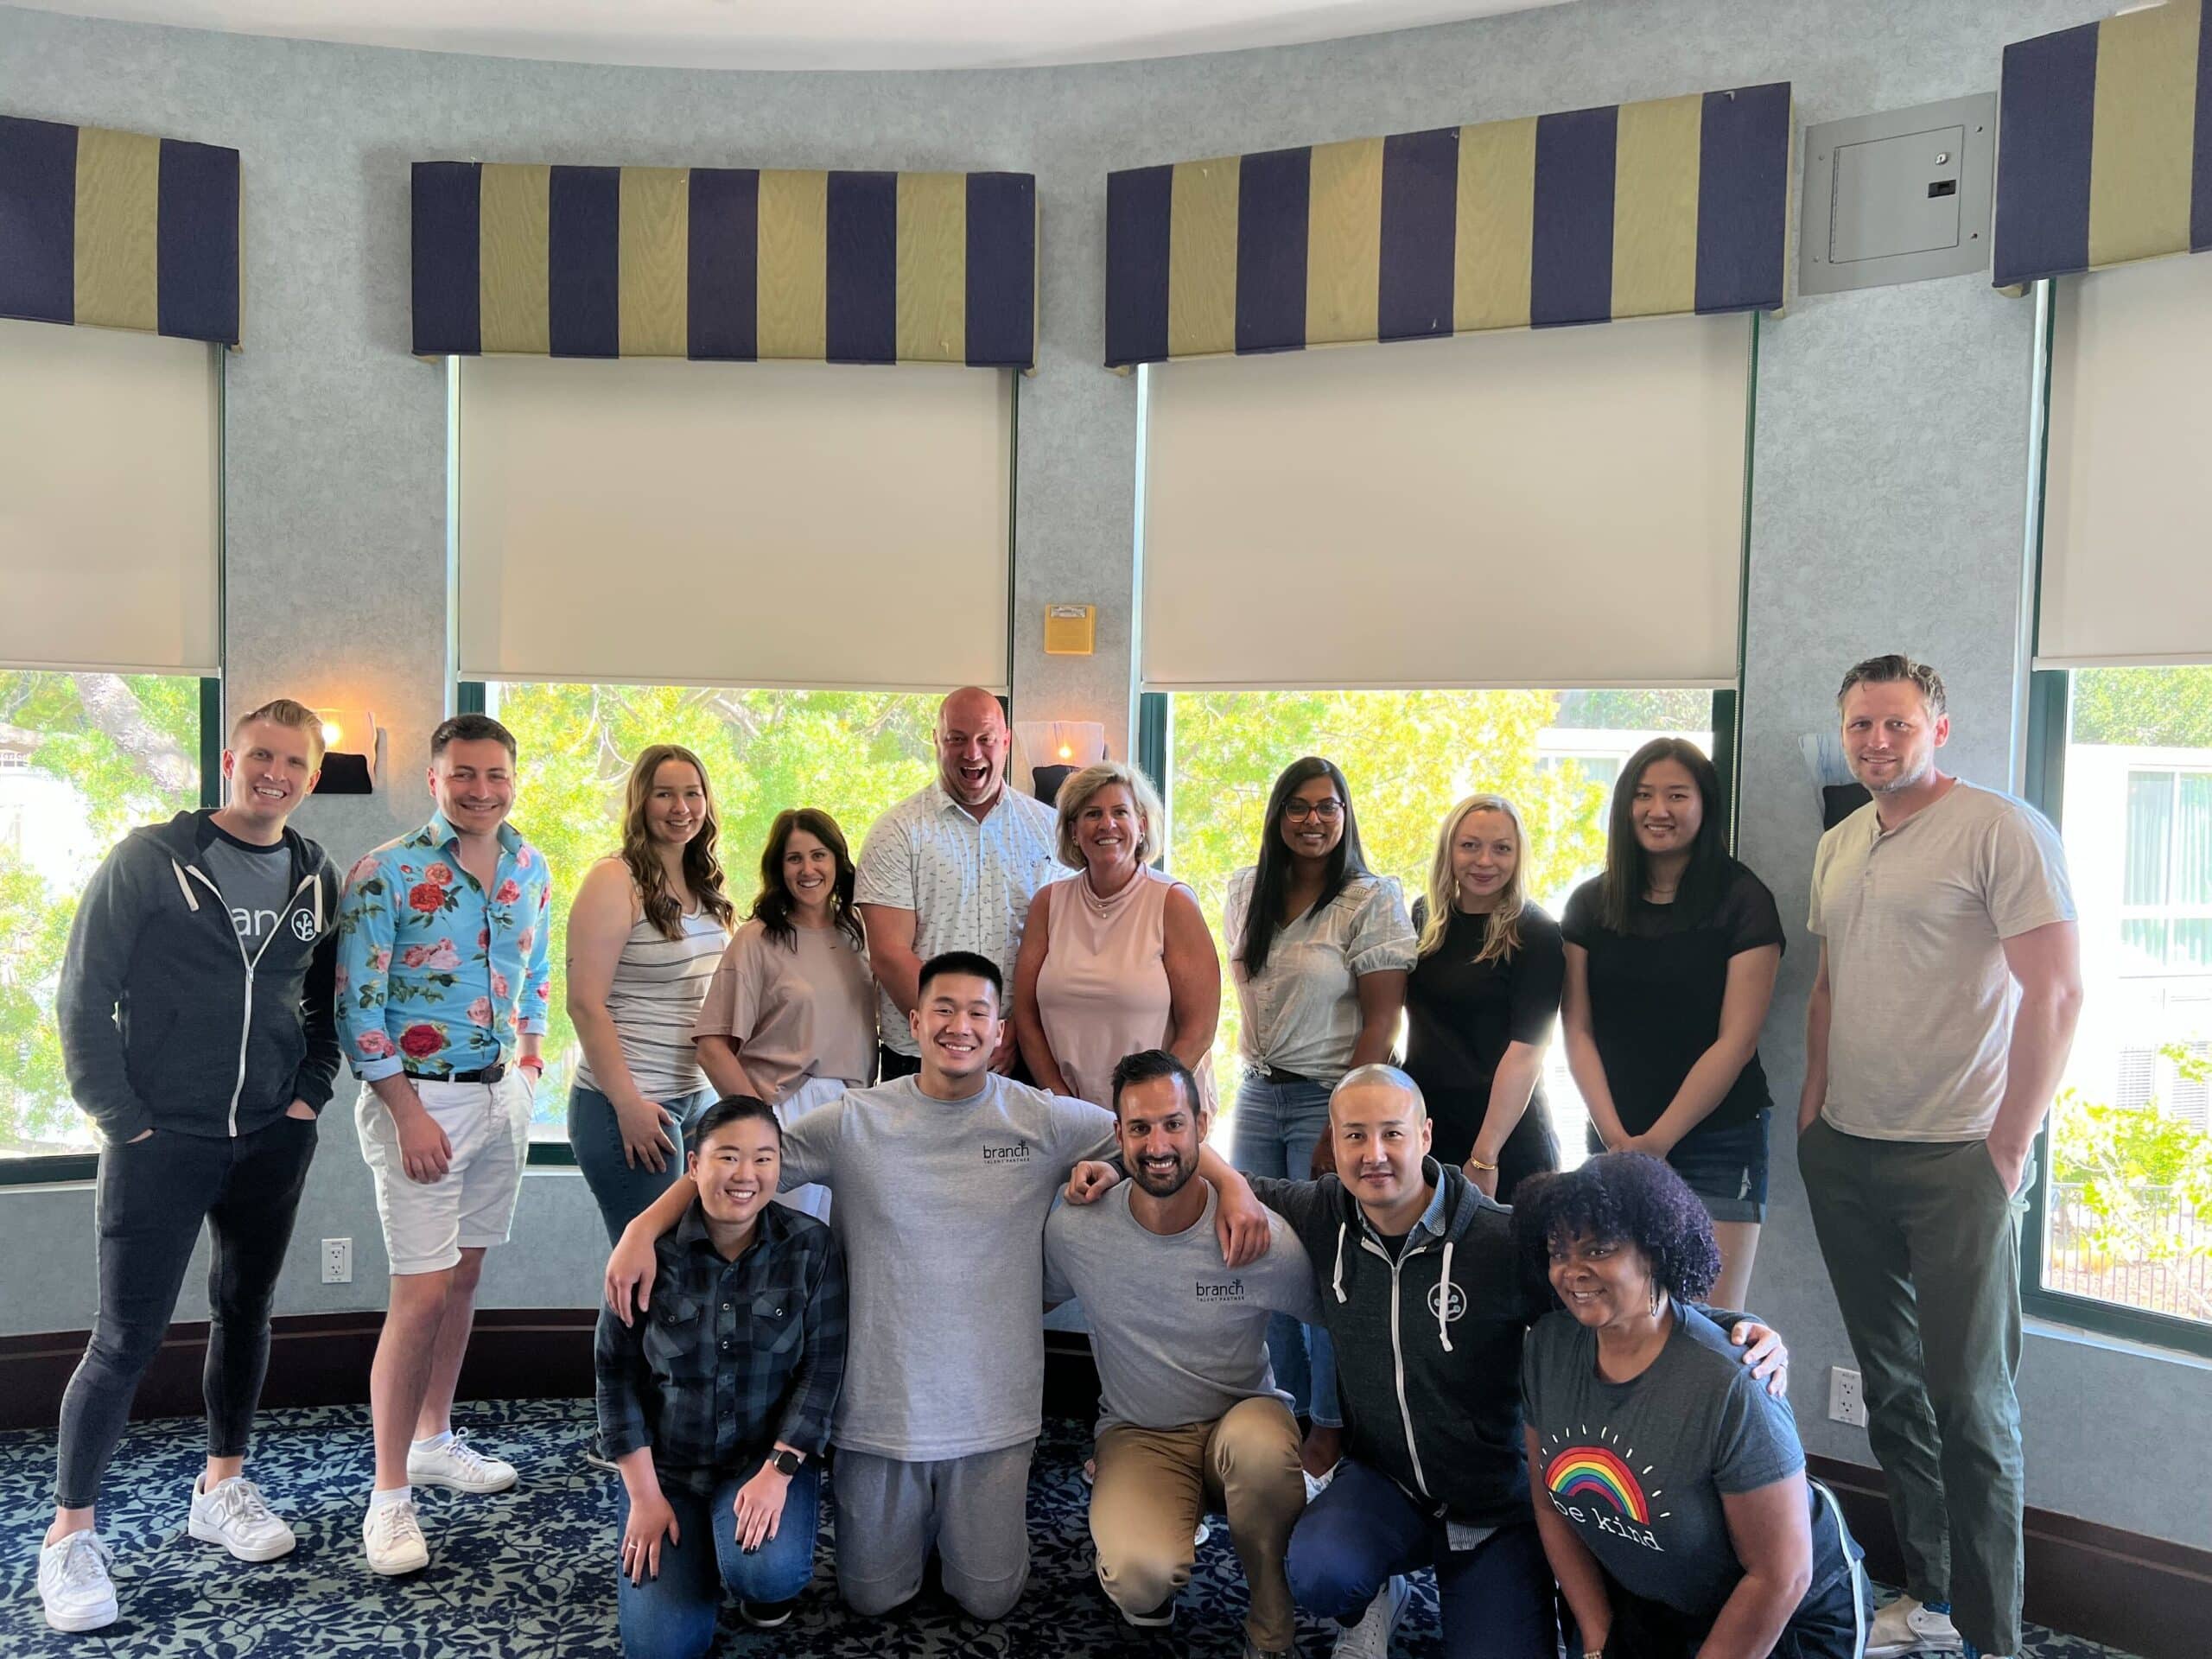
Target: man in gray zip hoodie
<point>197,1026</point>
<point>1420,1288</point>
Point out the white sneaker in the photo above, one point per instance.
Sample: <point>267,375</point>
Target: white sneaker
<point>235,1516</point>
<point>1370,1637</point>
<point>1905,1626</point>
<point>1199,1538</point>
<point>392,1537</point>
<point>73,1584</point>
<point>1317,1484</point>
<point>460,1465</point>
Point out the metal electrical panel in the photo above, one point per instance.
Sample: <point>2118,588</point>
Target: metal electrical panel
<point>1898,197</point>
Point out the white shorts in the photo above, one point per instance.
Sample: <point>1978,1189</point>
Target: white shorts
<point>426,1226</point>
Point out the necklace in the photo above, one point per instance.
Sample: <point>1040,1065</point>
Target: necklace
<point>1106,905</point>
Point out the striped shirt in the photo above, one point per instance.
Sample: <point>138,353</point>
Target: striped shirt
<point>654,1001</point>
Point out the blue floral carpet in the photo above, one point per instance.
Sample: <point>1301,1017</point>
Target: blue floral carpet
<point>528,1574</point>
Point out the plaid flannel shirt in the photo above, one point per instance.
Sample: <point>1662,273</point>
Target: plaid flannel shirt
<point>731,1356</point>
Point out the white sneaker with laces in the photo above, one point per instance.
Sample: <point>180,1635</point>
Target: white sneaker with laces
<point>73,1584</point>
<point>1370,1637</point>
<point>459,1466</point>
<point>1905,1626</point>
<point>392,1537</point>
<point>237,1517</point>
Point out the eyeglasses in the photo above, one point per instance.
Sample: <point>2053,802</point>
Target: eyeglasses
<point>1298,810</point>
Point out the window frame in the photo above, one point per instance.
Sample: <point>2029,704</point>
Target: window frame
<point>2051,699</point>
<point>53,1168</point>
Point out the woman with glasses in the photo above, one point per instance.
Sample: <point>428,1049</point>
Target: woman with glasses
<point>1481,1000</point>
<point>1319,948</point>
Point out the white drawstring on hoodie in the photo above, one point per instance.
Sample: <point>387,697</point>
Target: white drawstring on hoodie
<point>1443,1288</point>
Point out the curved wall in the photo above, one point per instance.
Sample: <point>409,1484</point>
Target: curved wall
<point>1891,471</point>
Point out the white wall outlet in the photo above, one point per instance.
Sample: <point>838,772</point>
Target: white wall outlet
<point>1846,1399</point>
<point>337,1261</point>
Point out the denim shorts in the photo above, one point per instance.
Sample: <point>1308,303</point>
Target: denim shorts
<point>1725,1166</point>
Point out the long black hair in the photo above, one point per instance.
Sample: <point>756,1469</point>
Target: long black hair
<point>1627,866</point>
<point>1272,879</point>
<point>774,907</point>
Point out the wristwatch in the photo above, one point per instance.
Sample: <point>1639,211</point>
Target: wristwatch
<point>785,1462</point>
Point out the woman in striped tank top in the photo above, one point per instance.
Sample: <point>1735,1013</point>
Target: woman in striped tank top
<point>645,933</point>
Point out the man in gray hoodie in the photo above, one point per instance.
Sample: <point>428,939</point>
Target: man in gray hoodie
<point>197,1029</point>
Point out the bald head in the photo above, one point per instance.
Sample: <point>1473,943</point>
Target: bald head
<point>1378,1125</point>
<point>971,748</point>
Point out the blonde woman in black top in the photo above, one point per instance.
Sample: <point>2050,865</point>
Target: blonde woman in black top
<point>1481,1000</point>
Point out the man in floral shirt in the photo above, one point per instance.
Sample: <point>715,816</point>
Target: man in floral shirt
<point>442,987</point>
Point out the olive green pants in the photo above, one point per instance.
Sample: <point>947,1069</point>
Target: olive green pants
<point>1922,1244</point>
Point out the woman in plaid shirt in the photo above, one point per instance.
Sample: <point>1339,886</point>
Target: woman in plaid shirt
<point>715,1405</point>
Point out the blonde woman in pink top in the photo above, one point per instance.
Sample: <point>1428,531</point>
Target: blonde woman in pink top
<point>1115,958</point>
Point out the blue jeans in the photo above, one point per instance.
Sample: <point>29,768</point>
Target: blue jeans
<point>672,1616</point>
<point>1272,1131</point>
<point>1363,1531</point>
<point>622,1189</point>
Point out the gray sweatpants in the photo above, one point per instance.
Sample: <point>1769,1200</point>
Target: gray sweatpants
<point>1923,1245</point>
<point>974,1510</point>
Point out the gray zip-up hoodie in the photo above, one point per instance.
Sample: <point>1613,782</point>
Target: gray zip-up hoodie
<point>166,1022</point>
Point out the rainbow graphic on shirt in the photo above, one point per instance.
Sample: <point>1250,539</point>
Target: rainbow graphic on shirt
<point>1588,1473</point>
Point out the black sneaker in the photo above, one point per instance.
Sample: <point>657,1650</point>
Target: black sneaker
<point>766,1615</point>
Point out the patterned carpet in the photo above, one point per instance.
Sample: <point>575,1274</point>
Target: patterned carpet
<point>527,1574</point>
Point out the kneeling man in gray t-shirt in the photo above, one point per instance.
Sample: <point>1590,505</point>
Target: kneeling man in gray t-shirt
<point>1190,1412</point>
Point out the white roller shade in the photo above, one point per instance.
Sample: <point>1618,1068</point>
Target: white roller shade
<point>111,518</point>
<point>2126,577</point>
<point>734,524</point>
<point>1562,507</point>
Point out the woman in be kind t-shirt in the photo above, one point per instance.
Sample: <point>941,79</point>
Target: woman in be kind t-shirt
<point>1671,956</point>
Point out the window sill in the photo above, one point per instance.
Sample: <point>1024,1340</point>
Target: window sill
<point>2081,1336</point>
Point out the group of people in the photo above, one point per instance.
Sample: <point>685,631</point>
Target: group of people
<point>1383,1334</point>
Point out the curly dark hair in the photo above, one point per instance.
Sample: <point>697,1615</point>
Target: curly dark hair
<point>1621,1198</point>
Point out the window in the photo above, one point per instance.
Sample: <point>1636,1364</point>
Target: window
<point>852,753</point>
<point>1408,757</point>
<point>83,757</point>
<point>2123,1226</point>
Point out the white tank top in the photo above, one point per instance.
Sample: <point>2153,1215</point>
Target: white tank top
<point>654,1002</point>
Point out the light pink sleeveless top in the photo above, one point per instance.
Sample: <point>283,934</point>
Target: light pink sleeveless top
<point>1103,991</point>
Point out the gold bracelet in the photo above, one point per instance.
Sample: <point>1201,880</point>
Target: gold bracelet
<point>1487,1169</point>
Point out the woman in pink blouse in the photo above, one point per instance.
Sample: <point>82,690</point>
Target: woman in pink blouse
<point>1116,958</point>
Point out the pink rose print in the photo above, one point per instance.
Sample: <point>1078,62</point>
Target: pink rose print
<point>522,941</point>
<point>373,1046</point>
<point>544,992</point>
<point>341,980</point>
<point>363,869</point>
<point>420,1041</point>
<point>480,1012</point>
<point>499,985</point>
<point>440,873</point>
<point>483,939</point>
<point>441,955</point>
<point>383,958</point>
<point>507,894</point>
<point>544,900</point>
<point>523,859</point>
<point>428,897</point>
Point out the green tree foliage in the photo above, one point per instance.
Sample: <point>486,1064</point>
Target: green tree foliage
<point>124,750</point>
<point>2141,1179</point>
<point>2152,707</point>
<point>851,754</point>
<point>1407,755</point>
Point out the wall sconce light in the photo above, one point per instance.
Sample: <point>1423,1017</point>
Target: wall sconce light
<point>354,744</point>
<point>1047,753</point>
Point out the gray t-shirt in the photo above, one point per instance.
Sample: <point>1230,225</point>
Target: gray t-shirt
<point>1639,1468</point>
<point>1914,919</point>
<point>1178,1336</point>
<point>941,1207</point>
<point>257,884</point>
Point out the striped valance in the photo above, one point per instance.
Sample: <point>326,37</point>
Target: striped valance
<point>116,230</point>
<point>2105,145</point>
<point>1680,204</point>
<point>726,263</point>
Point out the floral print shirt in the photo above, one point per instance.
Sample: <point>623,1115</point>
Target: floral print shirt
<point>434,975</point>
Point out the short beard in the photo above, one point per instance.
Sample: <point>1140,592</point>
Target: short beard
<point>1183,1174</point>
<point>1902,780</point>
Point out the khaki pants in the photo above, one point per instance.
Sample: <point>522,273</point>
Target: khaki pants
<point>1922,1244</point>
<point>1152,1488</point>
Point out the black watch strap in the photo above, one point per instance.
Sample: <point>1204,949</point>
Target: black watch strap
<point>786,1463</point>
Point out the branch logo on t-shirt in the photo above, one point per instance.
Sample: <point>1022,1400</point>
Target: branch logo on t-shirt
<point>994,1153</point>
<point>1595,1485</point>
<point>1219,1290</point>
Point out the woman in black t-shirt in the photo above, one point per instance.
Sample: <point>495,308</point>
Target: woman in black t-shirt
<point>1671,956</point>
<point>1481,999</point>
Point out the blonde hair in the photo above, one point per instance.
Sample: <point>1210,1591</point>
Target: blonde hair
<point>1075,795</point>
<point>702,868</point>
<point>1502,934</point>
<point>282,711</point>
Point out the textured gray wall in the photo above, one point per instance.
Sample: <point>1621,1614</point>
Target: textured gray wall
<point>1890,468</point>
